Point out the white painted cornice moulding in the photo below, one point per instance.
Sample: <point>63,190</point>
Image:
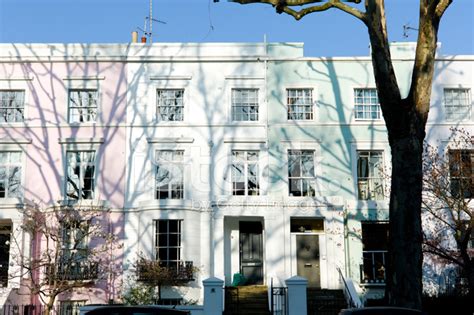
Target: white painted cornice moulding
<point>170,77</point>
<point>84,78</point>
<point>15,140</point>
<point>170,140</point>
<point>80,140</point>
<point>17,78</point>
<point>245,140</point>
<point>244,77</point>
<point>285,141</point>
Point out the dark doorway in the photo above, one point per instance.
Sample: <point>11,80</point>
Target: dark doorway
<point>251,251</point>
<point>307,259</point>
<point>5,231</point>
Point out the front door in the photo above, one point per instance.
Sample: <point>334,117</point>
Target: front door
<point>251,252</point>
<point>307,259</point>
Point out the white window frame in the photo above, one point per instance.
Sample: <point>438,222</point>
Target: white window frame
<point>160,82</point>
<point>69,230</point>
<point>302,178</point>
<point>8,166</point>
<point>83,83</point>
<point>255,102</point>
<point>173,163</point>
<point>312,104</point>
<point>245,162</point>
<point>18,84</point>
<point>245,82</point>
<point>370,145</point>
<point>462,175</point>
<point>451,115</point>
<point>369,105</point>
<point>370,179</point>
<point>22,106</point>
<point>174,107</point>
<point>89,113</point>
<point>81,175</point>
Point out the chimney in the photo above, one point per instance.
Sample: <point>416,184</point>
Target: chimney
<point>134,37</point>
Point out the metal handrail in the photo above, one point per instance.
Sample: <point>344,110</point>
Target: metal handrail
<point>348,295</point>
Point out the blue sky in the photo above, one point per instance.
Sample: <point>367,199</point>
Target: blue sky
<point>330,33</point>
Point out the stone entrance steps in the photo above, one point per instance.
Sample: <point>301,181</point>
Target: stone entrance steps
<point>325,301</point>
<point>246,300</point>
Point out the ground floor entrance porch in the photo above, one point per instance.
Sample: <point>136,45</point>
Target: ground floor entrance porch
<point>260,250</point>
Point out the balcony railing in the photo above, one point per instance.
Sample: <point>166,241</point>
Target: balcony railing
<point>178,271</point>
<point>80,271</point>
<point>372,271</point>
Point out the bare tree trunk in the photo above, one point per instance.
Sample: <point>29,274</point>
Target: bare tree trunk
<point>48,309</point>
<point>404,285</point>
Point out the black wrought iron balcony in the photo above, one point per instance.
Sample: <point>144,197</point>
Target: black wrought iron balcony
<point>165,272</point>
<point>79,271</point>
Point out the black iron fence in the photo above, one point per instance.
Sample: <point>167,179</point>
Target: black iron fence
<point>279,300</point>
<point>31,309</point>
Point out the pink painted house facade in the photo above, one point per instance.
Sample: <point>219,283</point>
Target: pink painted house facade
<point>62,143</point>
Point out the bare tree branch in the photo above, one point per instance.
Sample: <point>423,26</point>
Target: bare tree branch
<point>286,7</point>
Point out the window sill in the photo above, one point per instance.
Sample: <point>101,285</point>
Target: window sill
<point>14,124</point>
<point>82,124</point>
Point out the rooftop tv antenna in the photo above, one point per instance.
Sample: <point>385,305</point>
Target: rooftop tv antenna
<point>148,25</point>
<point>407,28</point>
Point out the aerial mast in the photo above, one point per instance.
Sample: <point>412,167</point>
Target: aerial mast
<point>150,21</point>
<point>148,25</point>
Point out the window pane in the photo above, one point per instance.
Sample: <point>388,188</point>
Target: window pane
<point>10,175</point>
<point>170,105</point>
<point>244,172</point>
<point>169,181</point>
<point>80,174</point>
<point>366,104</point>
<point>11,105</point>
<point>163,226</point>
<point>457,104</point>
<point>300,104</point>
<point>82,106</point>
<point>301,173</point>
<point>370,175</point>
<point>461,167</point>
<point>169,240</point>
<point>244,104</point>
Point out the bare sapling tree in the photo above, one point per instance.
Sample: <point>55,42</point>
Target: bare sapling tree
<point>448,191</point>
<point>71,247</point>
<point>405,120</point>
